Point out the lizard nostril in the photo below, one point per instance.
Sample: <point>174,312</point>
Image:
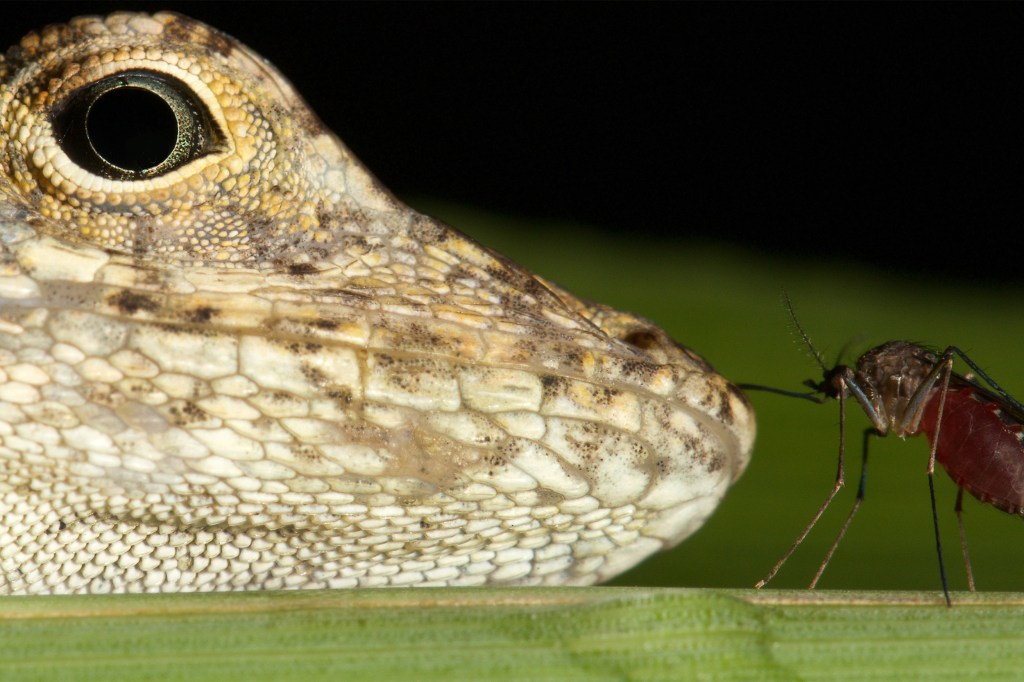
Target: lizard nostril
<point>644,340</point>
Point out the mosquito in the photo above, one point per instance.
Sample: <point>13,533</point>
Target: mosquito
<point>975,431</point>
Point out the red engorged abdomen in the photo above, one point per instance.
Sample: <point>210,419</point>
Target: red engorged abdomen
<point>979,450</point>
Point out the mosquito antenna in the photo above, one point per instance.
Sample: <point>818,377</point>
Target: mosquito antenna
<point>811,395</point>
<point>803,334</point>
<point>846,347</point>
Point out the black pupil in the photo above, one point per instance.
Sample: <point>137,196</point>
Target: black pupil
<point>132,128</point>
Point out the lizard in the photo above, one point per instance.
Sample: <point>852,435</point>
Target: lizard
<point>246,365</point>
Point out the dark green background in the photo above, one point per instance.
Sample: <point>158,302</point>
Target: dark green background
<point>726,303</point>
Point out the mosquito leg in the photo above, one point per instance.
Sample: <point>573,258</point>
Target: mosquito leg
<point>981,373</point>
<point>853,511</point>
<point>947,368</point>
<point>963,537</point>
<point>938,542</point>
<point>840,480</point>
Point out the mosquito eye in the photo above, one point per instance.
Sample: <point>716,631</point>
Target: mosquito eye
<point>134,125</point>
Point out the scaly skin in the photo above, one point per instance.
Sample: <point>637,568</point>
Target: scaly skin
<point>252,368</point>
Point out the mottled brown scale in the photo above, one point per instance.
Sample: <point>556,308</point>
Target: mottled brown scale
<point>130,302</point>
<point>260,370</point>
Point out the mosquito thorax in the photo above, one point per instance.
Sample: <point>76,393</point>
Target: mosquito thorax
<point>890,376</point>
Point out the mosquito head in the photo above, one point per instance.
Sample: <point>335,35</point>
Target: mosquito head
<point>832,384</point>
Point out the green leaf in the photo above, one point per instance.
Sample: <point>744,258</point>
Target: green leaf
<point>555,634</point>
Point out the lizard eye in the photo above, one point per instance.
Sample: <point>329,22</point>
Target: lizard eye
<point>134,125</point>
<point>161,138</point>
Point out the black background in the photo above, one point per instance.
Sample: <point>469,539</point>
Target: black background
<point>886,133</point>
